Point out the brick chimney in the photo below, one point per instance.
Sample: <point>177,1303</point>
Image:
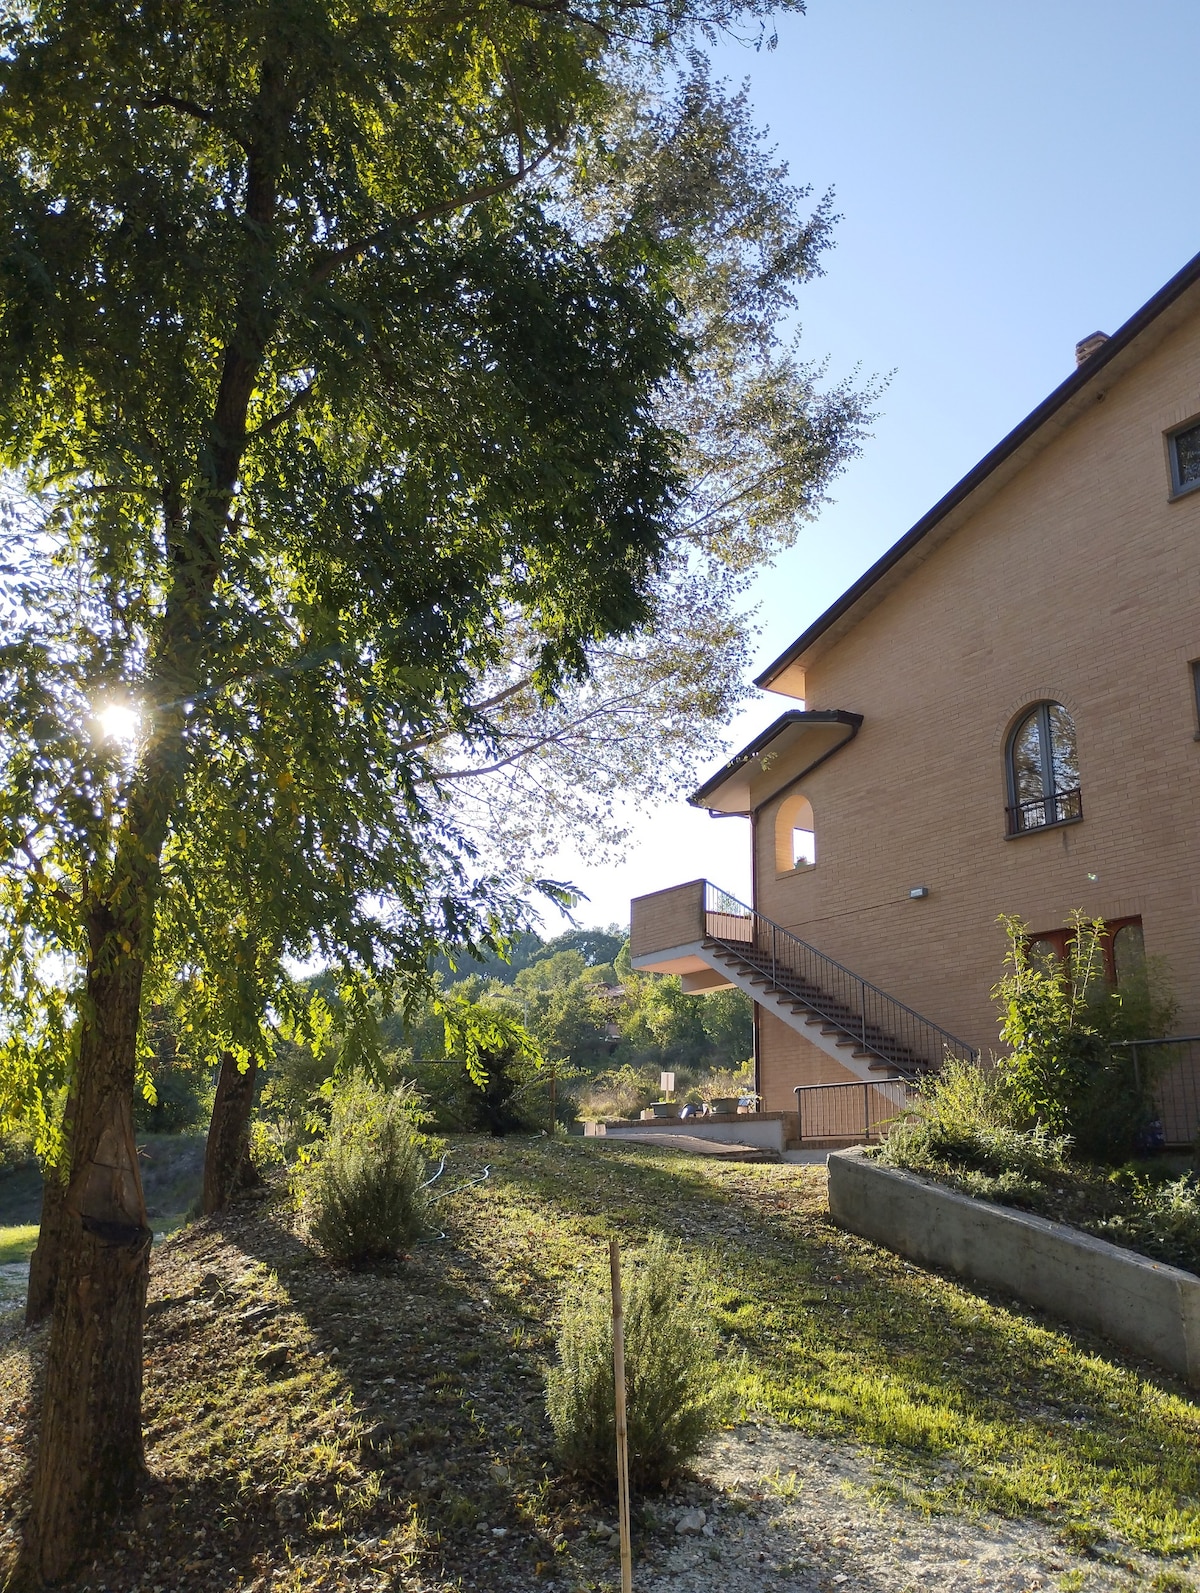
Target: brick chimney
<point>1087,346</point>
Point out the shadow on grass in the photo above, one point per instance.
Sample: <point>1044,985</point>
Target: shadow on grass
<point>980,1401</point>
<point>310,1422</point>
<point>22,1366</point>
<point>307,1422</point>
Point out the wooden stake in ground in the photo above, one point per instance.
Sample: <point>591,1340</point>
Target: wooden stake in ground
<point>618,1320</point>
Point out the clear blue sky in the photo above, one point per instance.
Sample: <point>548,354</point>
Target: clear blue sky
<point>1011,178</point>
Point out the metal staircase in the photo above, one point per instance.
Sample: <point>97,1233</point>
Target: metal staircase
<point>846,1012</point>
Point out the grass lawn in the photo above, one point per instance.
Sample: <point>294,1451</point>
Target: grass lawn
<point>17,1242</point>
<point>976,1401</point>
<point>316,1427</point>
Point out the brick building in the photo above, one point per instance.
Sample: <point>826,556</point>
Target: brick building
<point>1001,715</point>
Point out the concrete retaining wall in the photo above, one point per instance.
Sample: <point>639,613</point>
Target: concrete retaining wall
<point>1142,1305</point>
<point>765,1129</point>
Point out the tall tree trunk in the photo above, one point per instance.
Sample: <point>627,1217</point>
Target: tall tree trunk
<point>90,1458</point>
<point>46,1261</point>
<point>228,1133</point>
<point>90,1455</point>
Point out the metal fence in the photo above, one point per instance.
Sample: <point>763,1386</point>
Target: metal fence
<point>865,1111</point>
<point>851,1111</point>
<point>1174,1066</point>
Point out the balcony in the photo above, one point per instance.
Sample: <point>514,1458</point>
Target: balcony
<point>667,935</point>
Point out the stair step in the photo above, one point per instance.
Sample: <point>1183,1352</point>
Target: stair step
<point>882,1052</point>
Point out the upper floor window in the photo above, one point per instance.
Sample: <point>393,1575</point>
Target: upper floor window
<point>1043,770</point>
<point>795,835</point>
<point>1184,449</point>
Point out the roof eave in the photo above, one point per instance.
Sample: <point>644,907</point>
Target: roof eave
<point>702,797</point>
<point>1075,386</point>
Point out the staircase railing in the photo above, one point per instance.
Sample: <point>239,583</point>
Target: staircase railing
<point>861,1011</point>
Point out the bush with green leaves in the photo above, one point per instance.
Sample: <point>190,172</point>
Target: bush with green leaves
<point>17,1149</point>
<point>182,1101</point>
<point>1062,1023</point>
<point>1160,1216</point>
<point>495,1070</point>
<point>621,1091</point>
<point>967,1113</point>
<point>362,1190</point>
<point>676,1389</point>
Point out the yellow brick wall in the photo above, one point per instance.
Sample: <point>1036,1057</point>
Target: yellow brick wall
<point>1079,582</point>
<point>664,919</point>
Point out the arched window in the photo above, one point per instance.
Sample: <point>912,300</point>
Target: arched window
<point>1129,954</point>
<point>795,835</point>
<point>1043,769</point>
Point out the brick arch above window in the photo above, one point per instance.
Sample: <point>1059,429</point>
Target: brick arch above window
<point>1016,705</point>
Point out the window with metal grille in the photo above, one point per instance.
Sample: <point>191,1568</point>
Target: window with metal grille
<point>1043,770</point>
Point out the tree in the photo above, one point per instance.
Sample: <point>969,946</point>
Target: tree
<point>315,386</point>
<point>761,439</point>
<point>759,442</point>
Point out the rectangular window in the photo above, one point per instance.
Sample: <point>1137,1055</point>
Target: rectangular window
<point>1184,448</point>
<point>1194,666</point>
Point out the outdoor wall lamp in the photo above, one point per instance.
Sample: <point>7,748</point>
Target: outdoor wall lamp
<point>917,892</point>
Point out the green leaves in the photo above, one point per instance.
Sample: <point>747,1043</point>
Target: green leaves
<point>476,1032</point>
<point>323,379</point>
<point>1060,1021</point>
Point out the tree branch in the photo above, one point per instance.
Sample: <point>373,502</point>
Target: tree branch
<point>293,407</point>
<point>527,749</point>
<point>176,102</point>
<point>559,8</point>
<point>447,733</point>
<point>327,264</point>
<point>38,868</point>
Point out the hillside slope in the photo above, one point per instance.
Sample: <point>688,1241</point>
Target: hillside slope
<point>312,1428</point>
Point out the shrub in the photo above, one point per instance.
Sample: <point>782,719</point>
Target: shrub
<point>182,1101</point>
<point>675,1389</point>
<point>497,1078</point>
<point>264,1147</point>
<point>621,1092</point>
<point>969,1114</point>
<point>17,1149</point>
<point>1162,1217</point>
<point>1060,1024</point>
<point>728,1082</point>
<point>362,1191</point>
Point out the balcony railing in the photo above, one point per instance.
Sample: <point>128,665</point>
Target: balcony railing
<point>879,1025</point>
<point>1038,813</point>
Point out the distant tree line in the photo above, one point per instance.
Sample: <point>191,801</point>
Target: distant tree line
<point>588,1013</point>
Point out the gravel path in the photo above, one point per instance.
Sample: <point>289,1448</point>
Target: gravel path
<point>786,1514</point>
<point>14,1284</point>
